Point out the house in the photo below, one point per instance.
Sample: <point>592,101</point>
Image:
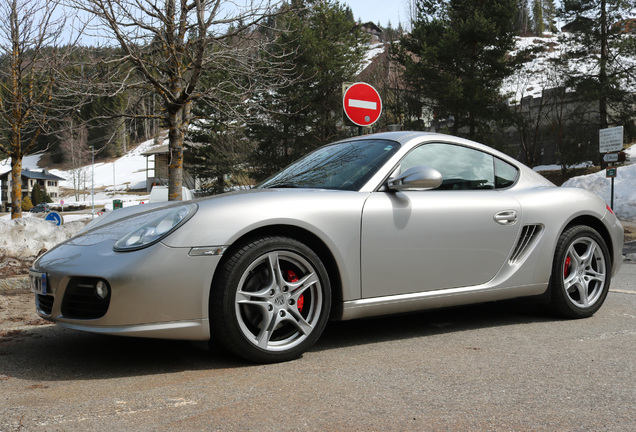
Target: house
<point>157,173</point>
<point>580,24</point>
<point>46,180</point>
<point>626,26</point>
<point>373,30</point>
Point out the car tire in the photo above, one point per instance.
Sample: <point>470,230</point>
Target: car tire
<point>581,273</point>
<point>271,300</point>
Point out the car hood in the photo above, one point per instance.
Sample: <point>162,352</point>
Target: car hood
<point>128,212</point>
<point>220,220</point>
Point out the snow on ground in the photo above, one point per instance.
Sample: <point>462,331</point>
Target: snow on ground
<point>624,187</point>
<point>127,172</point>
<point>27,237</point>
<point>372,52</point>
<point>112,179</point>
<point>541,73</point>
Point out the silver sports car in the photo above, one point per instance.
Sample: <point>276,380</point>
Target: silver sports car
<point>379,224</point>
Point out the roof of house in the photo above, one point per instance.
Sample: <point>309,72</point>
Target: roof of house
<point>162,149</point>
<point>37,175</point>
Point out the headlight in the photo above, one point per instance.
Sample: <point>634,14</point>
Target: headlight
<point>163,222</point>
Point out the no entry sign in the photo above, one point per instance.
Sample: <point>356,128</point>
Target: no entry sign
<point>362,104</point>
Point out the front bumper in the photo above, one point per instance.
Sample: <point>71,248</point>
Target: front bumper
<point>158,291</point>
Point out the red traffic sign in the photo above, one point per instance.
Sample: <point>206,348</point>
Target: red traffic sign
<point>362,104</point>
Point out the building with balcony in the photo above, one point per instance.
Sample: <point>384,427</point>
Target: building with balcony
<point>48,182</point>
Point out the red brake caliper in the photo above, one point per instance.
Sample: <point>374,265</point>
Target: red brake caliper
<point>291,277</point>
<point>566,267</point>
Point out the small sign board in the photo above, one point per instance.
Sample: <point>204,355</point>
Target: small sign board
<point>610,139</point>
<point>610,157</point>
<point>54,217</point>
<point>610,172</point>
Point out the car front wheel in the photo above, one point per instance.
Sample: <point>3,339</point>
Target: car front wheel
<point>580,273</point>
<point>271,301</point>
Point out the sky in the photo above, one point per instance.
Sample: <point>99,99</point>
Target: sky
<point>381,11</point>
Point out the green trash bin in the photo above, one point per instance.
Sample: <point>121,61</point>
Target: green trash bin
<point>117,204</point>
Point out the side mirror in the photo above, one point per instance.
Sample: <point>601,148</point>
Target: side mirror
<point>416,178</point>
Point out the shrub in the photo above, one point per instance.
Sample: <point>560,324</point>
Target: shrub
<point>26,204</point>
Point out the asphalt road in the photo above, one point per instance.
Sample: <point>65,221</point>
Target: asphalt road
<point>494,367</point>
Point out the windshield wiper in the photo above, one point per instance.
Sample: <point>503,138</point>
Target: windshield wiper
<point>283,186</point>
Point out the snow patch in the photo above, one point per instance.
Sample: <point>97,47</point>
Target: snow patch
<point>27,237</point>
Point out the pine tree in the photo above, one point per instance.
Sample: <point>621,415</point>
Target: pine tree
<point>36,195</point>
<point>549,16</point>
<point>599,40</point>
<point>523,17</point>
<point>537,17</point>
<point>299,118</point>
<point>543,16</point>
<point>455,60</point>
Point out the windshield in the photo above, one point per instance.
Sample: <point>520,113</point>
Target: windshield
<point>341,166</point>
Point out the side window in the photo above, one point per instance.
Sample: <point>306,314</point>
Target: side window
<point>462,168</point>
<point>505,174</point>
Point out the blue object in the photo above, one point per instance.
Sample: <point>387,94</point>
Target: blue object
<point>54,217</point>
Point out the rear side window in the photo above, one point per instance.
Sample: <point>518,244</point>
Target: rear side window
<point>505,174</point>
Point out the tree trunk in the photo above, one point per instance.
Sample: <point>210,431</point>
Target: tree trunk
<point>178,126</point>
<point>16,188</point>
<point>602,103</point>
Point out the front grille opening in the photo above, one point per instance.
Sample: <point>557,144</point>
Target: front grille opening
<point>529,233</point>
<point>82,301</point>
<point>44,303</point>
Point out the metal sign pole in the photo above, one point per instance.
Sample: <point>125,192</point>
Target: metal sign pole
<point>611,140</point>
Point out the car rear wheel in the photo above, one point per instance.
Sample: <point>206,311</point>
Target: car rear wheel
<point>271,301</point>
<point>580,273</point>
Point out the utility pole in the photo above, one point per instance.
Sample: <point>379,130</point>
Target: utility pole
<point>93,181</point>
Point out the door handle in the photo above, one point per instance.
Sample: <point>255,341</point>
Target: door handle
<point>506,217</point>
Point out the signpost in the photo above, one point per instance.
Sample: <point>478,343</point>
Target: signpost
<point>54,217</point>
<point>362,104</point>
<point>610,140</point>
<point>610,157</point>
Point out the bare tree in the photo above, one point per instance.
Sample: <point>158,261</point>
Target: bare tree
<point>29,31</point>
<point>184,51</point>
<point>73,140</point>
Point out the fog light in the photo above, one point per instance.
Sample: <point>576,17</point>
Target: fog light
<point>101,289</point>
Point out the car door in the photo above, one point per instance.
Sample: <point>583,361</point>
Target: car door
<point>455,236</point>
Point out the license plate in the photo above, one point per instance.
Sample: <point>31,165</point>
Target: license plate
<point>39,283</point>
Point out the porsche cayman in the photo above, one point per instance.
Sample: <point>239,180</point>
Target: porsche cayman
<point>374,225</point>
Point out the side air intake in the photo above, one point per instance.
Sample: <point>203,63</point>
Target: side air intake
<point>529,233</point>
